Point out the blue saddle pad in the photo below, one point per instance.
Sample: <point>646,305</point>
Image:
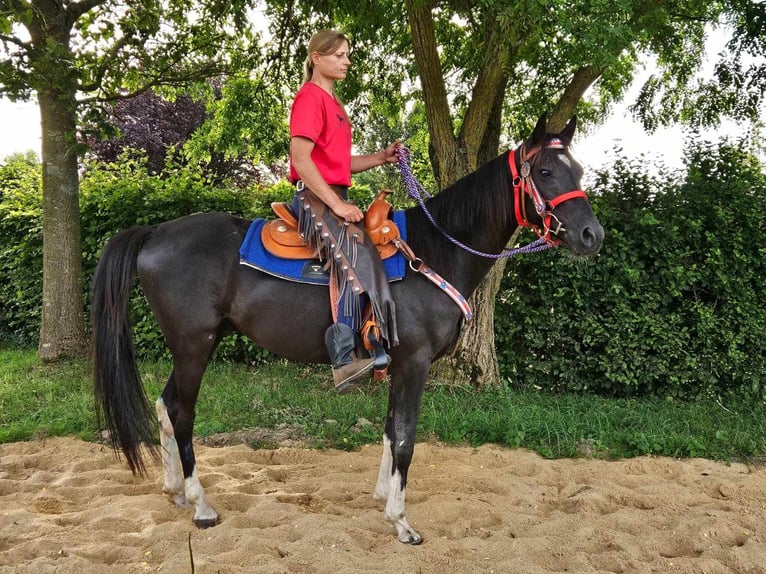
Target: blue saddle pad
<point>253,254</point>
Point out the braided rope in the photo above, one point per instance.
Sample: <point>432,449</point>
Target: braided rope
<point>416,191</point>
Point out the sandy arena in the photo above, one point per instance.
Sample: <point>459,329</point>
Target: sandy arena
<point>70,507</point>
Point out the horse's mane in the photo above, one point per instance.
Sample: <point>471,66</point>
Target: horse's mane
<point>472,206</point>
<point>471,209</point>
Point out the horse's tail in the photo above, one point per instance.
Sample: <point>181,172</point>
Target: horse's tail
<point>121,401</point>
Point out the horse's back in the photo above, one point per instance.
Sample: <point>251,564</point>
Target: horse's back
<point>187,240</point>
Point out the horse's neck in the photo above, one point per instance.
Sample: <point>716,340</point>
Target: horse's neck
<point>481,205</point>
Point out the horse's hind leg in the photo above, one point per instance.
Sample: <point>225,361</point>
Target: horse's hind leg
<point>175,410</point>
<point>173,483</point>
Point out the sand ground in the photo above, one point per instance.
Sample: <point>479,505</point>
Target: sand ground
<point>70,506</point>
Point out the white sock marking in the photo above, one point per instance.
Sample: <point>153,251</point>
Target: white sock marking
<point>173,484</point>
<point>386,462</point>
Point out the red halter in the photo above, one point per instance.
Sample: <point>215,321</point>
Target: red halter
<point>524,184</point>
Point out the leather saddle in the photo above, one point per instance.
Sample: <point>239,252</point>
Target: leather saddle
<point>280,236</point>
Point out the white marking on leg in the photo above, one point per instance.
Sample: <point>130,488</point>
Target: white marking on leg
<point>386,466</point>
<point>395,512</point>
<point>204,515</point>
<point>173,484</point>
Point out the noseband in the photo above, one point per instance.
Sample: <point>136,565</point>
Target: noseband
<point>523,184</point>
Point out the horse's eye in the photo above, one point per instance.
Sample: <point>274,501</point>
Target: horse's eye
<point>545,172</point>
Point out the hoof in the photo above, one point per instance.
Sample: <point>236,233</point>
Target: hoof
<point>205,522</point>
<point>413,539</point>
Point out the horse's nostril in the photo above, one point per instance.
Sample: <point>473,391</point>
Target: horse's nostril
<point>592,236</point>
<point>587,237</point>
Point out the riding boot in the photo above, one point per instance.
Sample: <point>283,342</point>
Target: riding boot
<point>347,369</point>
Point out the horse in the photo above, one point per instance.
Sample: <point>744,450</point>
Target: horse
<point>190,272</point>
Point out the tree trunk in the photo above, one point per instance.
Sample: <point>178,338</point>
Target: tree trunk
<point>62,330</point>
<point>582,79</point>
<point>448,161</point>
<point>473,361</point>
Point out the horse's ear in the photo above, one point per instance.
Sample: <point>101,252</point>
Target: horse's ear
<point>540,131</point>
<point>567,133</point>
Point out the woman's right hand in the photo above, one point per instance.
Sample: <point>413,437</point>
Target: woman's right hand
<point>348,212</point>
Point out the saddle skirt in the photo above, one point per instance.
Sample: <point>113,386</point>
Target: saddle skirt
<point>274,246</point>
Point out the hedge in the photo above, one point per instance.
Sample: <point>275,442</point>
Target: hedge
<point>673,305</point>
<point>112,197</point>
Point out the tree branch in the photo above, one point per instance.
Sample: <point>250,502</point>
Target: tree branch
<point>14,40</point>
<point>77,9</point>
<point>438,114</point>
<point>492,78</point>
<point>582,79</point>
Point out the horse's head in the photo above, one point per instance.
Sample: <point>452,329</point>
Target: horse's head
<point>548,191</point>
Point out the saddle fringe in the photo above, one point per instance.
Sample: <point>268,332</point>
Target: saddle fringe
<point>281,236</point>
<point>337,243</point>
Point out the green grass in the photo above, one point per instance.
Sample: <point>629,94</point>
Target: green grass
<point>38,399</point>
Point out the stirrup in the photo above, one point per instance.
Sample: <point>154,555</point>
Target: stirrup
<point>372,342</point>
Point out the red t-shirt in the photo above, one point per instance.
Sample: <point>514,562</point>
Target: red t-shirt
<point>316,115</point>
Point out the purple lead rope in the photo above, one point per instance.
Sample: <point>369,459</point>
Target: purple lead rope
<point>416,192</point>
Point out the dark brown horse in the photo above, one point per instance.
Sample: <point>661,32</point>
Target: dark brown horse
<point>190,272</point>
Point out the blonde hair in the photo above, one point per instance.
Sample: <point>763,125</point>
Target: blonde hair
<point>323,42</point>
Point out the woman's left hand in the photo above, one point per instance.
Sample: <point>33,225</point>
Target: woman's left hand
<point>389,154</point>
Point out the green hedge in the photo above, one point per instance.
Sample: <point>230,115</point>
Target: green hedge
<point>112,198</point>
<point>21,248</point>
<point>673,305</point>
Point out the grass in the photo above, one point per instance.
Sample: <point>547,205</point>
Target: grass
<point>288,399</point>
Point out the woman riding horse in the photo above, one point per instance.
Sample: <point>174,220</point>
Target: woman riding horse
<point>321,165</point>
<point>190,272</point>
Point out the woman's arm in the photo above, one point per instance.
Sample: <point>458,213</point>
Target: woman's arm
<point>365,162</point>
<point>300,152</point>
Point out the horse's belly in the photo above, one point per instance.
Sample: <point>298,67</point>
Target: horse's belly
<point>284,318</point>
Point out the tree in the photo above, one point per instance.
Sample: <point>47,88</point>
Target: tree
<point>75,56</point>
<point>151,124</point>
<point>485,71</point>
<point>238,136</point>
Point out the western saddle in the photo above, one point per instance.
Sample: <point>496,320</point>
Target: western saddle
<point>281,238</point>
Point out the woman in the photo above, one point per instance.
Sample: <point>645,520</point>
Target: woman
<point>321,165</point>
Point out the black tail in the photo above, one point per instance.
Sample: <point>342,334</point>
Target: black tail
<point>120,396</point>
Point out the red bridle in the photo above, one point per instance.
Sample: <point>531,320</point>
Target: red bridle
<point>524,184</point>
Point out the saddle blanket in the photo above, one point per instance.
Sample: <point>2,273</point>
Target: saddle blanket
<point>253,254</point>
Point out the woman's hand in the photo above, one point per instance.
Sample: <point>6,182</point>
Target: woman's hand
<point>348,212</point>
<point>389,154</point>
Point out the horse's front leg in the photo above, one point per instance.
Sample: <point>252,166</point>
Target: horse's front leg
<point>398,447</point>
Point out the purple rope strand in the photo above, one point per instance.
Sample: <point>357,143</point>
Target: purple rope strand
<point>416,191</point>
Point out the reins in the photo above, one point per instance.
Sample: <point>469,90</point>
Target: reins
<point>416,191</point>
<point>523,184</point>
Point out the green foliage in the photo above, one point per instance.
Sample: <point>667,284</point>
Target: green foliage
<point>124,194</point>
<point>670,308</point>
<point>113,197</point>
<point>673,304</point>
<point>21,248</point>
<point>248,120</point>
